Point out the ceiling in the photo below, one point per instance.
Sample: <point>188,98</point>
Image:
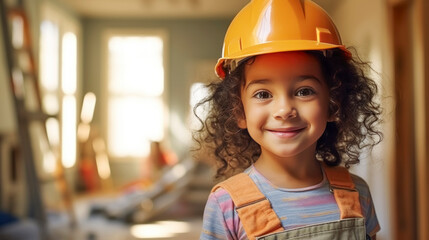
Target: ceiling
<point>162,8</point>
<point>155,8</point>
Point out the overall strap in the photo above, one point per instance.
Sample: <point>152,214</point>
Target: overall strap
<point>254,209</point>
<point>345,193</point>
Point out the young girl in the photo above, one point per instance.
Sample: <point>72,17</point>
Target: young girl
<point>291,106</point>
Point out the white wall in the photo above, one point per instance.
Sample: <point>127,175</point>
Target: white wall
<point>364,24</point>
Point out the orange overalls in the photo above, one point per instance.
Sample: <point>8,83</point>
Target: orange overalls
<point>260,222</point>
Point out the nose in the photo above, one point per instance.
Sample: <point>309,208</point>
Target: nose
<point>285,110</point>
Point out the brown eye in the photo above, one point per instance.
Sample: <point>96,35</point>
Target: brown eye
<point>262,95</point>
<point>305,92</point>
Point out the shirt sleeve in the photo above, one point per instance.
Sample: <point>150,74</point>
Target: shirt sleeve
<point>215,225</point>
<point>368,209</point>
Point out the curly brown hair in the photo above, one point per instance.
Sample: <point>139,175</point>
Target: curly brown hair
<point>352,103</point>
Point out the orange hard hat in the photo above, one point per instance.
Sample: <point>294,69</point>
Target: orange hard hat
<point>268,26</point>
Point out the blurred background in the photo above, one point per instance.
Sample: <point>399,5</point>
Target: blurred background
<point>96,102</point>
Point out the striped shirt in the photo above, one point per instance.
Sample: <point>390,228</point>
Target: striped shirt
<point>294,207</point>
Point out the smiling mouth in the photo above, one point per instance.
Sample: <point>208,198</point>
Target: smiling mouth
<point>287,132</point>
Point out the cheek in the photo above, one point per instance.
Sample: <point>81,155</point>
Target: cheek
<point>255,111</point>
<point>323,110</point>
<point>255,116</point>
<point>321,106</point>
<point>317,113</point>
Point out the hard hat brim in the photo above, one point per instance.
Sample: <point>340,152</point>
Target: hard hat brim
<point>274,47</point>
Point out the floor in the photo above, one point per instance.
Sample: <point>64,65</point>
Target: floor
<point>179,214</point>
<point>180,221</point>
<point>101,228</point>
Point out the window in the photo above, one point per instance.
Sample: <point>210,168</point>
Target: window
<point>58,78</point>
<point>135,75</point>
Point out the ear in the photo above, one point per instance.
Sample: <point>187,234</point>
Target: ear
<point>333,117</point>
<point>333,114</point>
<point>241,122</point>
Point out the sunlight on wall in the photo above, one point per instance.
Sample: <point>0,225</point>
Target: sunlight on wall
<point>88,107</point>
<point>49,159</point>
<point>181,130</point>
<point>69,131</point>
<point>49,66</point>
<point>86,115</point>
<point>198,93</point>
<point>101,158</point>
<point>68,86</point>
<point>69,63</point>
<point>53,132</point>
<point>49,79</point>
<point>49,162</point>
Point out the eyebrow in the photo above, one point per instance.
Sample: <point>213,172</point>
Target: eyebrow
<point>258,81</point>
<point>297,79</point>
<point>308,77</point>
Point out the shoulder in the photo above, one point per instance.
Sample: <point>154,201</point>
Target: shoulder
<point>221,197</point>
<point>220,216</point>
<point>364,191</point>
<point>367,205</point>
<point>214,220</point>
<point>359,181</point>
<point>361,185</point>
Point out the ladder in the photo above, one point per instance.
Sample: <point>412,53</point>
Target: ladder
<point>28,112</point>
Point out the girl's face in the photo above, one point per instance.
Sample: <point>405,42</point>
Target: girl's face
<point>285,100</point>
